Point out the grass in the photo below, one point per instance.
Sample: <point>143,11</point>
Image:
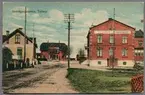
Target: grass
<point>93,81</point>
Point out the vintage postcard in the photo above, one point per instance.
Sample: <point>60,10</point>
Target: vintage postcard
<point>73,47</point>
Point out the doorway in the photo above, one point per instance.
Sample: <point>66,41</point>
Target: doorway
<point>110,62</point>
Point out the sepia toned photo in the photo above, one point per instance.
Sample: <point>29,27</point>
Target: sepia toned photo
<point>73,47</point>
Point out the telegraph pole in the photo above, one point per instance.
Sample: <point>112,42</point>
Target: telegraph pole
<point>33,42</point>
<point>69,18</point>
<point>25,35</point>
<point>113,45</point>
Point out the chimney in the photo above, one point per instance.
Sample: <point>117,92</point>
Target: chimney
<point>20,29</point>
<point>140,30</point>
<point>110,19</point>
<point>7,33</point>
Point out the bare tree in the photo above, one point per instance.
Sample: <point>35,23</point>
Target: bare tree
<point>81,52</point>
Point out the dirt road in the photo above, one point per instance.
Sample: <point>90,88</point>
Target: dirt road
<point>41,79</point>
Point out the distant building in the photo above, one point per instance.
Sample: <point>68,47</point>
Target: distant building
<point>111,44</point>
<point>139,47</point>
<point>15,42</point>
<point>53,51</point>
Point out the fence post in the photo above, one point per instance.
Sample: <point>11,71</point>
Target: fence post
<point>7,66</point>
<point>14,65</point>
<point>21,64</point>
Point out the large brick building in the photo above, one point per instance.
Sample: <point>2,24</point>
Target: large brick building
<point>111,43</point>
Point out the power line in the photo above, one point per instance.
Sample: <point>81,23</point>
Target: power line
<point>69,18</point>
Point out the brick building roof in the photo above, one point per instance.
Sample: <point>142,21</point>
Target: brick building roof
<point>46,46</point>
<point>139,34</point>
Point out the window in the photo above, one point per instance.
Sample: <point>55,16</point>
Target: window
<point>142,52</point>
<point>99,62</point>
<point>99,52</point>
<point>17,39</point>
<point>111,39</point>
<point>140,43</point>
<point>124,52</point>
<point>124,39</point>
<point>110,51</point>
<point>99,38</point>
<point>139,52</point>
<point>135,52</point>
<point>124,63</point>
<point>19,52</point>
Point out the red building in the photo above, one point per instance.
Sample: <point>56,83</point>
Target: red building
<point>138,47</point>
<point>54,51</point>
<point>111,43</point>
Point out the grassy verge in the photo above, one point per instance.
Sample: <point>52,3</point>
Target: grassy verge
<point>93,81</point>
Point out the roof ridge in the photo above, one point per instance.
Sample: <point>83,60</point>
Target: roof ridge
<point>109,19</point>
<point>18,30</point>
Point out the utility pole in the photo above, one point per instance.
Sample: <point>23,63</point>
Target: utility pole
<point>33,43</point>
<point>113,45</point>
<point>69,18</point>
<point>25,35</point>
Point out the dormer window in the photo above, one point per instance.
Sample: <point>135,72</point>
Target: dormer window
<point>17,39</point>
<point>140,43</point>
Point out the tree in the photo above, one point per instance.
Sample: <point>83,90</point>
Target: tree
<point>81,52</point>
<point>81,55</point>
<point>71,49</point>
<point>7,56</point>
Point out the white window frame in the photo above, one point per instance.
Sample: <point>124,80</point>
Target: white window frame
<point>111,40</point>
<point>110,51</point>
<point>99,52</point>
<point>124,52</point>
<point>124,39</point>
<point>99,38</point>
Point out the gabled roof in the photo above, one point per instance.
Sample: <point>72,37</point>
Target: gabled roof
<point>139,34</point>
<point>33,38</point>
<point>5,38</point>
<point>110,19</point>
<point>45,46</point>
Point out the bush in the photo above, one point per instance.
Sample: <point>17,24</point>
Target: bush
<point>138,67</point>
<point>82,59</point>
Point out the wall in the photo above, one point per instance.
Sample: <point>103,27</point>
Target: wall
<point>105,27</point>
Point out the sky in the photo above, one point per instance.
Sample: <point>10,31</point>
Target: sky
<point>46,19</point>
